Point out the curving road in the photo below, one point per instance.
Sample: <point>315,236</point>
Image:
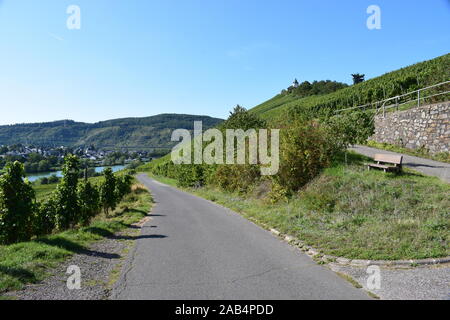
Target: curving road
<point>194,249</point>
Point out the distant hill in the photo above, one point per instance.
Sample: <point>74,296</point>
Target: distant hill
<point>391,84</point>
<point>132,133</point>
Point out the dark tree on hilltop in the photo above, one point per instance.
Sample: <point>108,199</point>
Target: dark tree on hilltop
<point>358,78</point>
<point>240,118</point>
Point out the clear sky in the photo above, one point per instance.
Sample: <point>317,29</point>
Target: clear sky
<point>135,58</point>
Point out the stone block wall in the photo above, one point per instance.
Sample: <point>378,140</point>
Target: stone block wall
<point>423,127</point>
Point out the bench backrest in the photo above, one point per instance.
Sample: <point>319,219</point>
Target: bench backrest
<point>389,158</point>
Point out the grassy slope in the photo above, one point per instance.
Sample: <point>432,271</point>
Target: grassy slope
<point>43,191</point>
<point>437,70</point>
<point>29,262</point>
<point>350,212</point>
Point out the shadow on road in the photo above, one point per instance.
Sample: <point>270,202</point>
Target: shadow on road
<point>76,248</point>
<point>142,236</point>
<point>21,274</point>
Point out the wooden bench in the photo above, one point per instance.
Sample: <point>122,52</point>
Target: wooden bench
<point>387,162</point>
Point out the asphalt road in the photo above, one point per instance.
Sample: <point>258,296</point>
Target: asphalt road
<point>425,166</point>
<point>195,249</point>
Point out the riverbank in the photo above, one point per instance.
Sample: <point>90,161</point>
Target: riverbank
<point>36,176</point>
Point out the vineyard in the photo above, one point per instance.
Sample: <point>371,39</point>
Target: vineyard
<point>390,85</point>
<point>73,203</point>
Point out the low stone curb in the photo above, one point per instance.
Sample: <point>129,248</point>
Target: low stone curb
<point>314,253</point>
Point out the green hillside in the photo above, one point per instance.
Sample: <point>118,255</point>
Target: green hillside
<point>388,85</point>
<point>148,132</point>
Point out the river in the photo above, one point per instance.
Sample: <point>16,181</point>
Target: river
<point>37,176</point>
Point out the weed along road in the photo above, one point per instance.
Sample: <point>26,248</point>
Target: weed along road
<point>194,249</point>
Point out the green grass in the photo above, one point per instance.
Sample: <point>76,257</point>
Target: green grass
<point>30,262</point>
<point>43,190</point>
<point>443,156</point>
<point>350,212</point>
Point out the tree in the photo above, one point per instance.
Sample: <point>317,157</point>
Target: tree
<point>240,118</point>
<point>17,204</point>
<point>108,196</point>
<point>358,78</point>
<point>44,165</point>
<point>53,179</point>
<point>67,207</point>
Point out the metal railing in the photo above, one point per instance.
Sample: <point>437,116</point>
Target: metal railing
<point>416,95</point>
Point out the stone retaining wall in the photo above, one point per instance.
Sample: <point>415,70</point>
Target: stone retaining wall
<point>424,127</point>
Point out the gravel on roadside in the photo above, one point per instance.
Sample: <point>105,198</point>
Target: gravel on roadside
<point>99,266</point>
<point>414,283</point>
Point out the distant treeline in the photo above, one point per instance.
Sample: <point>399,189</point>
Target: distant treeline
<point>149,132</point>
<point>306,88</point>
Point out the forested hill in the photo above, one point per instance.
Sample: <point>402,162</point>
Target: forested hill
<point>148,132</point>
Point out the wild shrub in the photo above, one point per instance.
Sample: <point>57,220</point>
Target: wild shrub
<point>305,149</point>
<point>237,178</point>
<point>351,128</point>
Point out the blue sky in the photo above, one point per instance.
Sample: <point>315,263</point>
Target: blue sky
<point>136,58</point>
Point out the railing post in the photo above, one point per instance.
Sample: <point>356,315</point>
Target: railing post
<point>418,98</point>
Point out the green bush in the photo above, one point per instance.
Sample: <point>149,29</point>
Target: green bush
<point>108,195</point>
<point>53,179</point>
<point>238,178</point>
<point>305,149</point>
<point>17,204</point>
<point>352,128</point>
<point>66,198</point>
<point>44,218</point>
<point>89,202</point>
<point>123,185</point>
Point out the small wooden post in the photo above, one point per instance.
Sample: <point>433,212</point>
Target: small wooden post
<point>418,98</point>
